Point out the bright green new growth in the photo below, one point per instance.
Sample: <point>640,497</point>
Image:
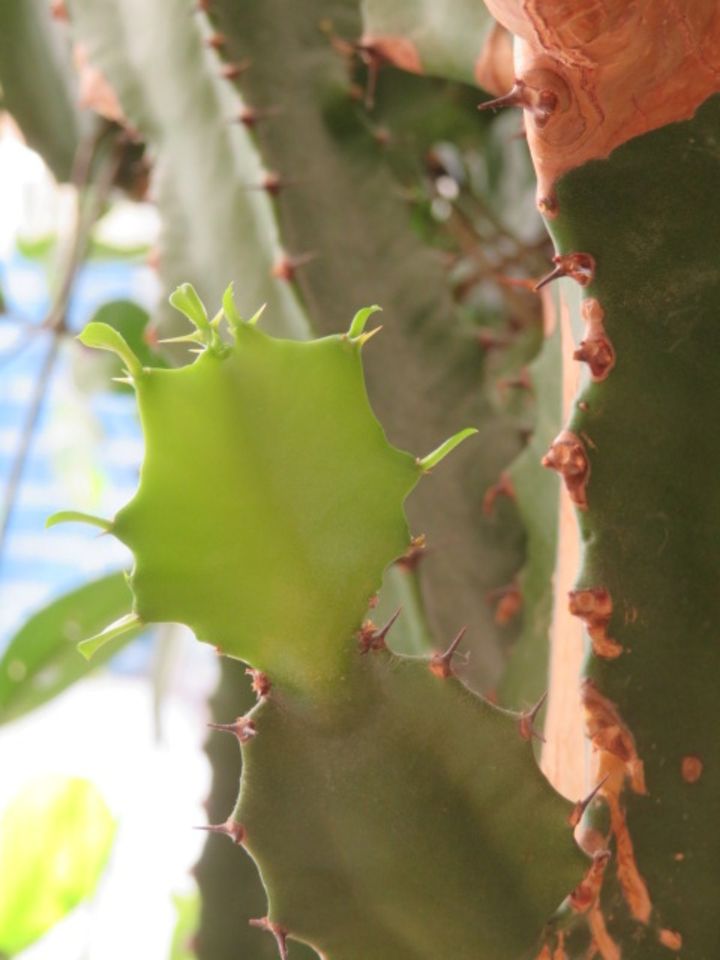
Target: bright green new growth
<point>374,786</point>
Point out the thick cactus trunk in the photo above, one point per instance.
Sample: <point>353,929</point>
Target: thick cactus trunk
<point>628,165</point>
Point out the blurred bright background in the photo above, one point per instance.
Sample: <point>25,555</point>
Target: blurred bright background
<point>69,439</point>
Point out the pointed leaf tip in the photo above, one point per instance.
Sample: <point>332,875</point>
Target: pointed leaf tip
<point>101,336</point>
<point>229,307</point>
<point>185,299</point>
<point>432,459</point>
<point>119,628</point>
<point>360,319</point>
<point>75,516</point>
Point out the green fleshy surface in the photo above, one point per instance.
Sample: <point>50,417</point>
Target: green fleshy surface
<point>406,820</point>
<point>649,215</point>
<point>270,502</point>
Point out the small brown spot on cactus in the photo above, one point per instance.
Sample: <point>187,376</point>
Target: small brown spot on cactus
<point>216,41</point>
<point>508,600</point>
<point>567,455</point>
<point>579,267</point>
<point>250,116</point>
<point>520,382</point>
<point>231,828</point>
<point>586,892</point>
<point>370,637</point>
<point>503,488</point>
<point>548,206</point>
<point>594,607</point>
<point>583,405</point>
<point>260,684</point>
<point>272,183</point>
<point>286,267</point>
<point>410,560</point>
<point>243,728</point>
<point>441,663</point>
<point>679,857</point>
<point>58,10</point>
<point>280,934</point>
<point>670,939</point>
<point>582,805</point>
<point>692,768</point>
<point>231,71</point>
<point>526,721</point>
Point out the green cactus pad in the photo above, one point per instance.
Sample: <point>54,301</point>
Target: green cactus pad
<point>270,502</point>
<point>408,821</point>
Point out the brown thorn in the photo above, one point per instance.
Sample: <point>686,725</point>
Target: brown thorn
<point>578,266</point>
<point>243,728</point>
<point>231,71</point>
<point>280,934</point>
<point>260,683</point>
<point>372,638</point>
<point>515,97</point>
<point>410,560</point>
<point>440,663</point>
<point>526,722</point>
<point>581,806</point>
<point>216,41</point>
<point>555,274</point>
<point>231,828</point>
<point>286,267</point>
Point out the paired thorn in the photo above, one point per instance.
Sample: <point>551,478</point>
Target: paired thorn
<point>581,806</point>
<point>372,638</point>
<point>567,455</point>
<point>231,828</point>
<point>243,728</point>
<point>357,327</point>
<point>441,663</point>
<point>280,934</point>
<point>286,267</point>
<point>260,684</point>
<point>526,723</point>
<point>578,266</point>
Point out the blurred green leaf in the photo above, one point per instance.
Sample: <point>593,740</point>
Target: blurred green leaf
<point>41,659</point>
<point>55,839</point>
<point>187,907</point>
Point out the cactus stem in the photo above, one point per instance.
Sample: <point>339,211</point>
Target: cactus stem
<point>503,488</point>
<point>581,806</point>
<point>594,607</point>
<point>578,266</point>
<point>410,560</point>
<point>264,923</point>
<point>567,455</point>
<point>231,828</point>
<point>691,768</point>
<point>371,637</point>
<point>526,723</point>
<point>441,663</point>
<point>231,71</point>
<point>286,267</point>
<point>260,684</point>
<point>243,728</point>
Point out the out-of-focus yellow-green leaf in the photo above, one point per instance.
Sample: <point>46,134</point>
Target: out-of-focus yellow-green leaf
<point>55,839</point>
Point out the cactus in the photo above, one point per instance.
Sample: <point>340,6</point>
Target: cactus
<point>637,460</point>
<point>269,504</point>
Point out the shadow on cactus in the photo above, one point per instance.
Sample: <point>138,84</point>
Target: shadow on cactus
<point>391,812</point>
